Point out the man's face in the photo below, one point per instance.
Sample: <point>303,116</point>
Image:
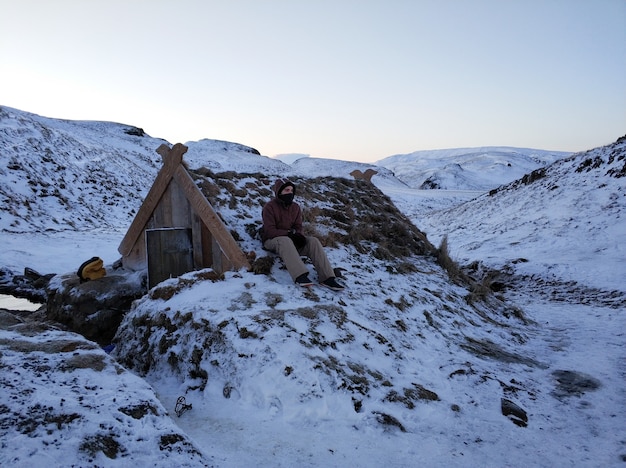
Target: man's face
<point>286,190</point>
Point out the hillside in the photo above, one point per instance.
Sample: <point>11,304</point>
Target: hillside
<point>546,218</point>
<point>409,365</point>
<point>80,175</point>
<point>360,360</point>
<point>467,168</point>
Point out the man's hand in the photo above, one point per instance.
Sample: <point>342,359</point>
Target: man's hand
<point>298,239</point>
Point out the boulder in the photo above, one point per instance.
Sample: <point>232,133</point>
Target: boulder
<point>31,285</point>
<point>94,308</point>
<point>514,412</point>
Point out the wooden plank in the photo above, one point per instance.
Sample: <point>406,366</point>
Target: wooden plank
<point>136,259</point>
<point>181,212</point>
<point>196,242</point>
<point>207,246</point>
<point>163,211</point>
<point>225,263</point>
<point>217,256</point>
<point>205,211</point>
<point>171,161</point>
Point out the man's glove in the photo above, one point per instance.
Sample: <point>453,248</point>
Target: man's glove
<point>298,239</point>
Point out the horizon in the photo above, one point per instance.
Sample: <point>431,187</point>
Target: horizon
<point>295,155</point>
<point>334,80</point>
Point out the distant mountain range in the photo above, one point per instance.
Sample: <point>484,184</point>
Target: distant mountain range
<point>467,168</point>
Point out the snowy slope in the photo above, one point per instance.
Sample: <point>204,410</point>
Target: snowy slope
<point>220,156</point>
<point>404,368</point>
<point>55,172</point>
<point>78,175</point>
<point>319,167</point>
<point>60,174</point>
<point>565,221</point>
<point>467,168</point>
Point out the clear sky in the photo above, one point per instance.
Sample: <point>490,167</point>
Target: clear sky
<point>355,80</point>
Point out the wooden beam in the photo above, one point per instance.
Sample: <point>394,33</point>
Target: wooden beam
<point>210,218</point>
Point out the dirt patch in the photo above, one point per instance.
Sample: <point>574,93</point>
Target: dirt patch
<point>572,383</point>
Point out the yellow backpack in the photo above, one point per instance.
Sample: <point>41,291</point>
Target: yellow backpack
<point>92,269</point>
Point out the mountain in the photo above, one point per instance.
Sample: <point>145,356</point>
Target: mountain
<point>575,204</point>
<point>467,168</point>
<point>422,360</point>
<point>78,175</point>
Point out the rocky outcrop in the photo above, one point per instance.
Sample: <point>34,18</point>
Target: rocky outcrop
<point>94,308</point>
<point>31,285</point>
<point>65,400</point>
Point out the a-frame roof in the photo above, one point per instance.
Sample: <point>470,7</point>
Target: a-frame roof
<point>174,170</point>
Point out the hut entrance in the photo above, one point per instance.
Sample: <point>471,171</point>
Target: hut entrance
<point>170,254</point>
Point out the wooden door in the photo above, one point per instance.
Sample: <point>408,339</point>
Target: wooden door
<point>170,253</point>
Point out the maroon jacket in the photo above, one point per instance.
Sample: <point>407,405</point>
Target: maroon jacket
<point>278,218</point>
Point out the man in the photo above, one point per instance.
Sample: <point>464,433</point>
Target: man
<point>282,234</point>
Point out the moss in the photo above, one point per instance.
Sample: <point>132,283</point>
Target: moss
<point>105,443</point>
<point>388,420</point>
<point>139,410</point>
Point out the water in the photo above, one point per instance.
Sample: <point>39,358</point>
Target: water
<point>16,303</point>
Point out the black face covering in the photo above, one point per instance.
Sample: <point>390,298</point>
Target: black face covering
<point>286,198</point>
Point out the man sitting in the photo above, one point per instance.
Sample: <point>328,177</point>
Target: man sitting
<point>282,234</point>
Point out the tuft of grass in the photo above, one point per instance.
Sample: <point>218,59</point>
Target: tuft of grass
<point>447,263</point>
<point>388,420</point>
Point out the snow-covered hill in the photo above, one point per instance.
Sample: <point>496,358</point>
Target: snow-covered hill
<point>78,175</point>
<point>319,167</point>
<point>407,367</point>
<point>54,172</point>
<point>565,220</point>
<point>467,168</point>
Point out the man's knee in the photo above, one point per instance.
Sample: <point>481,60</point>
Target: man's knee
<point>313,243</point>
<point>278,244</point>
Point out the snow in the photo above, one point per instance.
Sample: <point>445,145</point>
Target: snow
<point>281,410</point>
<point>16,303</point>
<point>257,430</point>
<point>470,168</point>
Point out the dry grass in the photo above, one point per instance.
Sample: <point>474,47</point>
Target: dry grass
<point>447,263</point>
<point>340,212</point>
<point>346,212</point>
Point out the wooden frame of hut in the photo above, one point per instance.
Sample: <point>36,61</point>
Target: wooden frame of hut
<point>176,230</point>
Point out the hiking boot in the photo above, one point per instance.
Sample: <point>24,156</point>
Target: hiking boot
<point>303,280</point>
<point>333,284</point>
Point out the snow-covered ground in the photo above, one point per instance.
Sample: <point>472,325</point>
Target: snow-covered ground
<point>470,168</point>
<point>565,365</point>
<point>585,429</point>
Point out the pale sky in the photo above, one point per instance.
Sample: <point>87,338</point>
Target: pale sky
<point>355,80</point>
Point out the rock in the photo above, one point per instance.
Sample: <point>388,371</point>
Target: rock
<point>7,319</point>
<point>514,413</point>
<point>573,383</point>
<point>94,308</point>
<point>31,285</point>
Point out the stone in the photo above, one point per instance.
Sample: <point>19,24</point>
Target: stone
<point>514,412</point>
<point>94,308</point>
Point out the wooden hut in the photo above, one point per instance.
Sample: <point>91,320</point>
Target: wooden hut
<point>176,230</point>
